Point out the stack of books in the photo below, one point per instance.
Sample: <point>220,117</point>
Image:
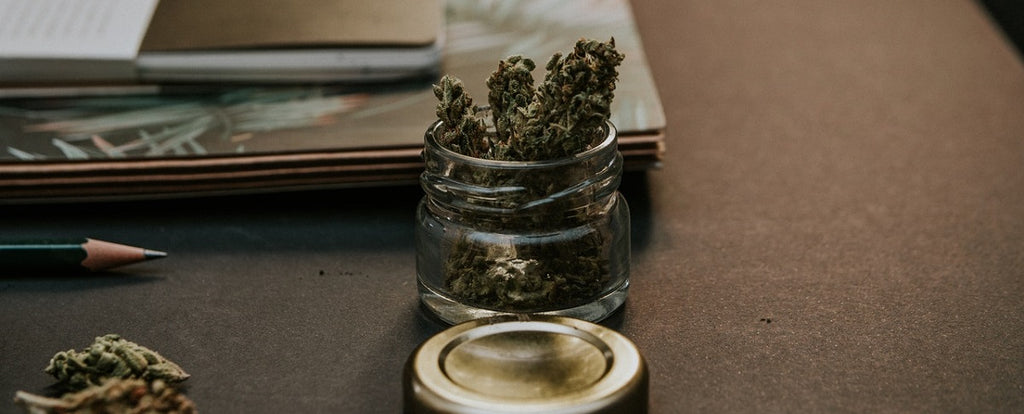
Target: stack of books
<point>263,103</point>
<point>46,42</point>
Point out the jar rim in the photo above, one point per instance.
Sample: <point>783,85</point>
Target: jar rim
<point>610,140</point>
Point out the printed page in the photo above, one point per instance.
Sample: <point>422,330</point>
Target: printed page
<point>73,29</point>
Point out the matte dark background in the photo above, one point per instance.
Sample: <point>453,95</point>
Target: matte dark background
<point>1009,14</point>
<point>849,171</point>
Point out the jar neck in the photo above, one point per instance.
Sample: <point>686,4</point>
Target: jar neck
<point>465,184</point>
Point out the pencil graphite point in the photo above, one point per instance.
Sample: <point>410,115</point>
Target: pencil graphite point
<point>153,254</point>
<point>101,255</point>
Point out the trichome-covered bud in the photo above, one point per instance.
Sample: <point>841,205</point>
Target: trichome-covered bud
<point>462,132</point>
<point>563,116</point>
<point>114,396</point>
<point>511,91</point>
<point>575,98</point>
<point>111,356</point>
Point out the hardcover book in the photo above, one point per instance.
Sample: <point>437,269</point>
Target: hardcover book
<point>130,41</point>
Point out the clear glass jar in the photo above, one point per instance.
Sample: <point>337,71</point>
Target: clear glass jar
<point>496,237</point>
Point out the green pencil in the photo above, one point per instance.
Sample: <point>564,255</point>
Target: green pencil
<point>69,255</point>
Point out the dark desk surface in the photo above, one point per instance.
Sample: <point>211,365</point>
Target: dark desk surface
<point>852,172</point>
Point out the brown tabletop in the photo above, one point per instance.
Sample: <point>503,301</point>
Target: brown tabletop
<point>838,226</point>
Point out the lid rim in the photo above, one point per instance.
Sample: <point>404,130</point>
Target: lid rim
<point>431,389</point>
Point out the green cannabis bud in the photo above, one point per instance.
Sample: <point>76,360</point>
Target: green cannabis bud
<point>574,100</point>
<point>511,91</point>
<point>560,117</point>
<point>111,356</point>
<point>463,133</point>
<point>114,396</point>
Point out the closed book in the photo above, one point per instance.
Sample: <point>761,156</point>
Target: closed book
<point>223,41</point>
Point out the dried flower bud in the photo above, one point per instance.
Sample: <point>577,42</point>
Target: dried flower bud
<point>110,356</point>
<point>462,132</point>
<point>574,100</point>
<point>563,116</point>
<point>114,396</point>
<point>511,91</point>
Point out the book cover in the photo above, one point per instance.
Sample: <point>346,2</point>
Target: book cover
<point>244,24</point>
<point>291,41</point>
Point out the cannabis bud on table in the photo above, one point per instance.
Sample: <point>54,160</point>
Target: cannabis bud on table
<point>522,212</point>
<point>114,396</point>
<point>113,375</point>
<point>111,356</point>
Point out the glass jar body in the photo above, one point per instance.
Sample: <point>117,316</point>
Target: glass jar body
<point>495,237</point>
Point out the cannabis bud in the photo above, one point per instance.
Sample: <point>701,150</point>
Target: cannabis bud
<point>111,356</point>
<point>463,133</point>
<point>114,396</point>
<point>560,117</point>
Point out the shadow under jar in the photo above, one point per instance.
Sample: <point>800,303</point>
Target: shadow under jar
<point>497,237</point>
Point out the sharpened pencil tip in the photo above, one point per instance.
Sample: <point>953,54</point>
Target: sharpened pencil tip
<point>153,254</point>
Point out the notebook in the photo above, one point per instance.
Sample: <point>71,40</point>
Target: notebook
<point>145,41</point>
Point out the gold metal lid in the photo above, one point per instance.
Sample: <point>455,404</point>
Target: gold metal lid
<point>526,364</point>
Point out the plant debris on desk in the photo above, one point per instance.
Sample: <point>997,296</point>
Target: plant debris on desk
<point>114,396</point>
<point>113,375</point>
<point>111,356</point>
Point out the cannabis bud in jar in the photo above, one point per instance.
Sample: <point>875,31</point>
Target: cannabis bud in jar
<point>111,356</point>
<point>522,211</point>
<point>563,116</point>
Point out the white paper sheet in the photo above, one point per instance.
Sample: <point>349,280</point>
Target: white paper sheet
<point>74,29</point>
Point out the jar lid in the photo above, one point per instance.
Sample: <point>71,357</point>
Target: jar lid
<point>526,364</point>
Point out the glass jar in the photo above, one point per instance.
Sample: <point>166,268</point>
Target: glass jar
<point>547,237</point>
